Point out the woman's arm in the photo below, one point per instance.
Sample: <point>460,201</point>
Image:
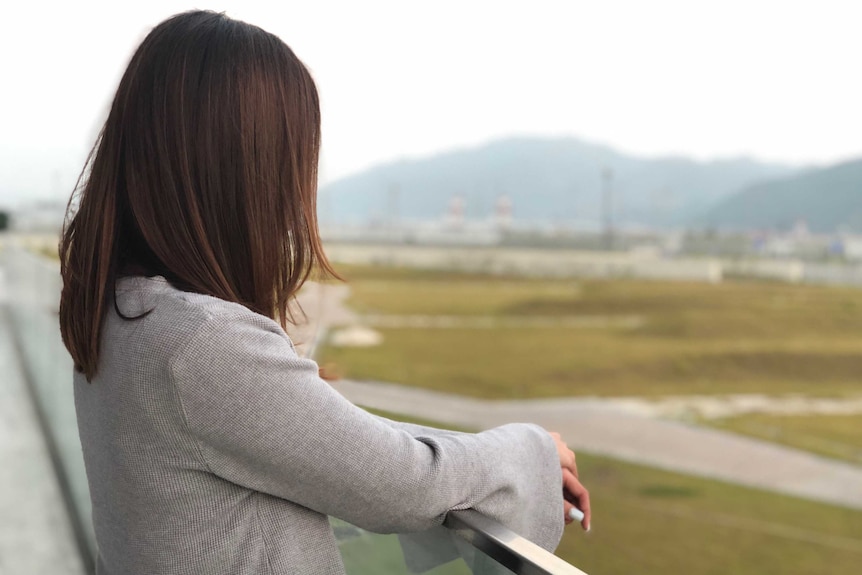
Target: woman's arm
<point>416,430</point>
<point>262,418</point>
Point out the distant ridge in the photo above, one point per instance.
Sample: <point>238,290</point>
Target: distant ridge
<point>552,180</point>
<point>826,199</point>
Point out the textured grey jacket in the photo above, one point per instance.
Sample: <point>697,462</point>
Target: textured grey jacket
<point>211,447</point>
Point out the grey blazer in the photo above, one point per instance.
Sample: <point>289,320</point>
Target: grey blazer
<point>211,447</point>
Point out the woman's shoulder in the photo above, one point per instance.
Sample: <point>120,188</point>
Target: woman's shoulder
<point>153,308</point>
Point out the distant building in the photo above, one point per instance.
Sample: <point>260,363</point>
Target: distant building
<point>779,246</point>
<point>848,246</point>
<point>503,212</point>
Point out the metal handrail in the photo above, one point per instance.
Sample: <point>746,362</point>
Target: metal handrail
<point>514,552</point>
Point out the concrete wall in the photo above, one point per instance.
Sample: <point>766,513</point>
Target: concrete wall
<point>530,262</point>
<point>780,269</point>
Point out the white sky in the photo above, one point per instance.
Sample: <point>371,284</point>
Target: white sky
<point>778,80</point>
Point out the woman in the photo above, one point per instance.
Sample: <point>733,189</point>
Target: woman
<point>210,445</point>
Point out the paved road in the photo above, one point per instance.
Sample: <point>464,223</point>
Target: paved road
<point>603,427</point>
<point>35,536</point>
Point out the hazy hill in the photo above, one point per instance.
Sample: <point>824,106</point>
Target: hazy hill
<point>827,199</point>
<point>546,179</point>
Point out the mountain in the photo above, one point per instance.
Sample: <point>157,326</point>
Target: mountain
<point>827,199</point>
<point>546,180</point>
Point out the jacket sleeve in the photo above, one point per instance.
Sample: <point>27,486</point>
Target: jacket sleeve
<point>415,429</point>
<point>263,419</point>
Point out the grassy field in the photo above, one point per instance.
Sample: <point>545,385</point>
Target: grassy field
<point>837,436</point>
<point>648,522</point>
<point>690,338</point>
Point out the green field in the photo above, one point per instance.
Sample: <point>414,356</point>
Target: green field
<point>837,436</point>
<point>689,338</point>
<point>648,522</point>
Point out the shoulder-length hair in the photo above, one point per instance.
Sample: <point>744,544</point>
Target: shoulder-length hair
<point>205,172</point>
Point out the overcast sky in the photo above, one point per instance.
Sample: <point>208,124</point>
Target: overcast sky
<point>777,80</point>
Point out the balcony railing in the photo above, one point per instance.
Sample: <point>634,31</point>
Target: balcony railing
<point>468,542</point>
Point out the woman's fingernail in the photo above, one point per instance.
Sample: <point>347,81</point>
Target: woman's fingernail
<point>576,514</point>
<point>588,528</point>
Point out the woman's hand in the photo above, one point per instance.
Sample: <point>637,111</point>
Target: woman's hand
<point>574,494</point>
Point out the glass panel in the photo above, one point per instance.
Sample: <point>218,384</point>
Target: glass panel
<point>34,284</point>
<point>435,552</point>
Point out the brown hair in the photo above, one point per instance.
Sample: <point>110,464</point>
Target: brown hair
<point>205,172</point>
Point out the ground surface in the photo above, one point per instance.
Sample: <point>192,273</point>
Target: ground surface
<point>754,358</point>
<point>516,337</point>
